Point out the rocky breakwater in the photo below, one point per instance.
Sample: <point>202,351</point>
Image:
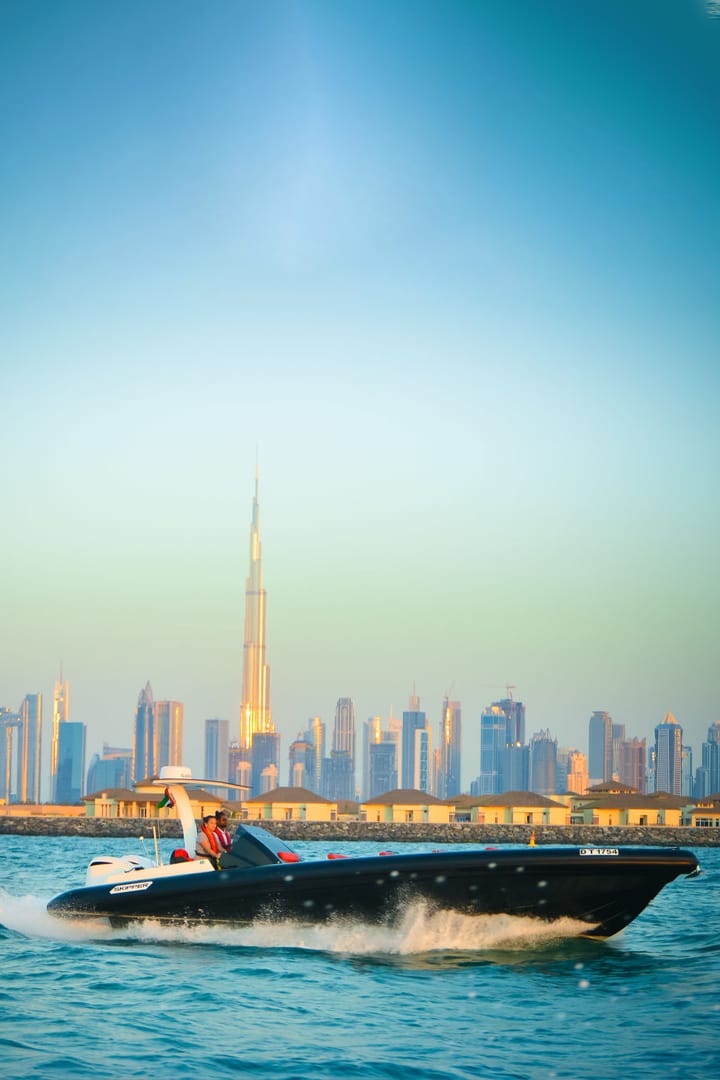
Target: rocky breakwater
<point>484,835</point>
<point>383,833</point>
<point>82,826</point>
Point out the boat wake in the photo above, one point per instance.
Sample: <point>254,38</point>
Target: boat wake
<point>420,931</point>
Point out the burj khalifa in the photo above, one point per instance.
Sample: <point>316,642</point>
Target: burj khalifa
<point>255,709</point>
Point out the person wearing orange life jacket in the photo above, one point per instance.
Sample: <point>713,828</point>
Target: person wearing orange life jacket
<point>207,845</point>
<point>222,832</point>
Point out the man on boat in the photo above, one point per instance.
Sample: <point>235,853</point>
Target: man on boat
<point>222,832</point>
<point>207,845</point>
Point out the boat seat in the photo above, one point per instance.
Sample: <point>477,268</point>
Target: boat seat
<point>180,855</point>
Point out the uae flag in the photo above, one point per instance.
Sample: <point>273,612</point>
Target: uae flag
<point>167,800</point>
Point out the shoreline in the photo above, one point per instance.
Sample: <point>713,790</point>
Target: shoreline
<point>381,832</point>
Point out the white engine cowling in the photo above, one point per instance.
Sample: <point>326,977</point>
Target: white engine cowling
<point>106,867</point>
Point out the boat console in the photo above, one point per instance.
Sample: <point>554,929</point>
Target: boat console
<point>253,846</point>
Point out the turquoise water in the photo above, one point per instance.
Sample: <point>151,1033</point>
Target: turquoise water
<point>439,998</point>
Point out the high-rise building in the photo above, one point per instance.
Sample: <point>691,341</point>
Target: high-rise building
<point>61,715</point>
<point>493,737</point>
<point>30,714</point>
<point>516,767</point>
<point>577,772</point>
<point>217,749</point>
<point>239,768</point>
<point>449,778</point>
<point>514,722</point>
<point>264,756</point>
<point>668,756</point>
<point>631,767</point>
<point>143,753</point>
<point>255,714</point>
<point>169,717</point>
<point>344,730</point>
<point>339,768</point>
<point>416,748</point>
<point>707,777</point>
<point>382,767</point>
<point>301,763</point>
<point>686,770</point>
<point>372,735</point>
<point>255,709</point>
<point>600,747</point>
<point>70,764</point>
<point>9,754</point>
<point>19,750</point>
<point>618,737</point>
<point>543,763</point>
<point>315,734</point>
<point>112,769</point>
<point>158,737</point>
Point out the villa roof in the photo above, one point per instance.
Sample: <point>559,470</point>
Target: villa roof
<point>611,787</point>
<point>657,800</point>
<point>288,795</point>
<point>118,793</point>
<point>508,798</point>
<point>708,800</point>
<point>196,794</point>
<point>403,797</point>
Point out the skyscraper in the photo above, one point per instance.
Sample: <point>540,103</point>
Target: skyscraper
<point>61,715</point>
<point>600,747</point>
<point>301,763</point>
<point>618,737</point>
<point>577,772</point>
<point>668,756</point>
<point>372,735</point>
<point>9,754</point>
<point>255,708</point>
<point>416,748</point>
<point>344,730</point>
<point>382,767</point>
<point>707,778</point>
<point>449,780</point>
<point>30,714</point>
<point>631,765</point>
<point>143,759</point>
<point>20,751</point>
<point>340,766</point>
<point>111,770</point>
<point>217,749</point>
<point>70,772</point>
<point>543,763</point>
<point>315,734</point>
<point>169,722</point>
<point>264,757</point>
<point>515,721</point>
<point>493,727</point>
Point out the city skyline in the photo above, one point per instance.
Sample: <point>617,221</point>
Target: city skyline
<point>666,763</point>
<point>448,274</point>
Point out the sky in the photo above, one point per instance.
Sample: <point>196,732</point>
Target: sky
<point>447,273</point>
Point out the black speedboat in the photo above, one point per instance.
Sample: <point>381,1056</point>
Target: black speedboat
<point>604,888</point>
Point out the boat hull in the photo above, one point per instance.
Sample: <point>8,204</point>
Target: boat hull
<point>604,888</point>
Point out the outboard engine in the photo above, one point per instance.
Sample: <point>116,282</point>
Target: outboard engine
<point>105,867</point>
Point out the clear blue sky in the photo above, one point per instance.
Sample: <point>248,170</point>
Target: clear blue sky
<point>449,269</point>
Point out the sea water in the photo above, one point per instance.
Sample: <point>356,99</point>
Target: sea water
<point>440,997</point>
